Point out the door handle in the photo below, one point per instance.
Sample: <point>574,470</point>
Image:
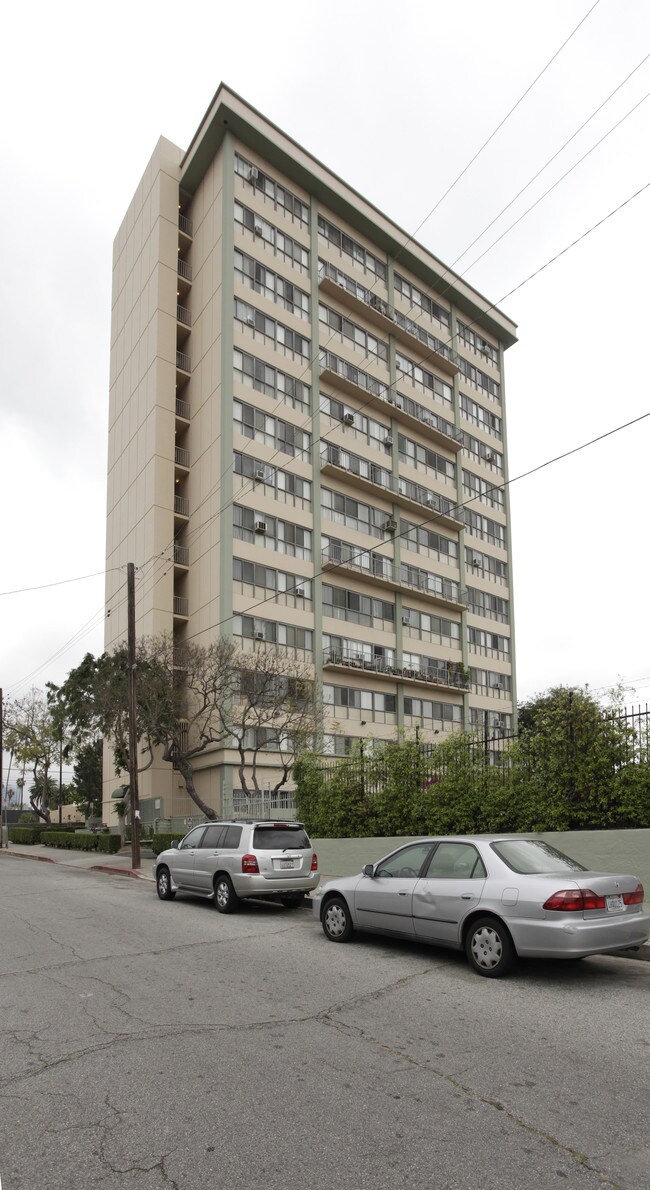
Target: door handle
<point>466,897</point>
<point>403,892</point>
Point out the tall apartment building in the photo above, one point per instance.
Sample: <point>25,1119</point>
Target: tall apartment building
<point>307,442</point>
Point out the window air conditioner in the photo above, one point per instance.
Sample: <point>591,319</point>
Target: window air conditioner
<point>253,173</point>
<point>406,621</point>
<point>260,526</point>
<point>259,230</point>
<point>388,440</point>
<point>390,525</point>
<point>299,593</point>
<point>348,419</point>
<point>259,636</point>
<point>259,474</point>
<point>250,320</point>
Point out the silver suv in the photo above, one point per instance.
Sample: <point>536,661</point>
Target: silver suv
<point>228,861</point>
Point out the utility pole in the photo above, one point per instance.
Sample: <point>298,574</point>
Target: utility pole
<point>2,838</point>
<point>133,732</point>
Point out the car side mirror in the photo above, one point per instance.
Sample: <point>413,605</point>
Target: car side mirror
<point>368,870</point>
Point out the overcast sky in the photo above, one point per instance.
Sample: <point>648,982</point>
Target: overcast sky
<point>396,99</point>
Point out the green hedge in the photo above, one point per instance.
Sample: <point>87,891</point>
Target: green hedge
<point>110,843</point>
<point>75,840</point>
<point>24,834</point>
<point>162,841</point>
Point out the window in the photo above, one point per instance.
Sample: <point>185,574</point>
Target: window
<point>436,629</point>
<point>361,256</point>
<point>448,714</point>
<point>283,245</point>
<point>254,373</point>
<point>369,344</point>
<point>345,510</point>
<point>338,457</point>
<point>483,452</point>
<point>330,362</point>
<point>481,526</point>
<point>486,564</point>
<point>431,584</point>
<point>213,837</point>
<point>415,297</point>
<point>429,499</point>
<point>485,490</point>
<point>427,541</point>
<point>405,864</point>
<point>375,432</point>
<point>480,379</point>
<point>424,379</point>
<point>455,861</point>
<point>350,698</point>
<point>288,487</point>
<point>479,416</point>
<point>426,459</point>
<point>253,575</point>
<point>490,644</point>
<point>475,341</point>
<point>256,276</point>
<point>282,536</point>
<point>342,604</point>
<point>272,431</point>
<point>280,335</point>
<point>193,839</point>
<point>487,681</point>
<point>273,191</point>
<point>252,627</point>
<point>482,603</point>
<point>532,856</point>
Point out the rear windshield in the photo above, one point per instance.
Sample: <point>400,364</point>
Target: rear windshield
<point>532,856</point>
<point>277,838</point>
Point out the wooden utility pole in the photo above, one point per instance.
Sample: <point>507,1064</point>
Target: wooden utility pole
<point>133,731</point>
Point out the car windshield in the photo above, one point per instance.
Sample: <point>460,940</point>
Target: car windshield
<point>531,856</point>
<point>276,837</point>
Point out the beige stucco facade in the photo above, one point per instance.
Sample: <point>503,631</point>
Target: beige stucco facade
<point>269,320</point>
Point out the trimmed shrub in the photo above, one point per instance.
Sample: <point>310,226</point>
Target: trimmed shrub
<point>73,840</point>
<point>109,843</point>
<point>24,834</point>
<point>161,842</point>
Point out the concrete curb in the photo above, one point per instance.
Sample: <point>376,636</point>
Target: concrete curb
<point>135,872</point>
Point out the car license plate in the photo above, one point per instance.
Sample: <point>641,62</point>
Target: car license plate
<point>286,863</point>
<point>615,904</point>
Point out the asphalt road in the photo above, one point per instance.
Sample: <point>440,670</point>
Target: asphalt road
<point>165,1047</point>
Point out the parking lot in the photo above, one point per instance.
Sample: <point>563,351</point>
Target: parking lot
<point>158,1044</point>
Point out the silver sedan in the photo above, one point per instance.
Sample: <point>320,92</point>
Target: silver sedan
<point>494,897</point>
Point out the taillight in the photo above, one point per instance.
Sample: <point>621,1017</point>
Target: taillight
<point>574,900</point>
<point>634,898</point>
<point>314,866</point>
<point>249,863</point>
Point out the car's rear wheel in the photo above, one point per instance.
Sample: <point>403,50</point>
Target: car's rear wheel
<point>164,885</point>
<point>489,947</point>
<point>336,920</point>
<point>225,897</point>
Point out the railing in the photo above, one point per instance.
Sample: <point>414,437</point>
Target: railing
<point>183,315</point>
<point>185,224</point>
<point>184,269</point>
<point>341,554</point>
<point>181,456</point>
<point>182,409</point>
<point>181,555</point>
<point>420,495</point>
<point>353,374</point>
<point>326,270</point>
<point>431,584</point>
<point>182,505</point>
<point>355,465</point>
<point>262,805</point>
<point>183,361</point>
<point>397,667</point>
<point>181,605</point>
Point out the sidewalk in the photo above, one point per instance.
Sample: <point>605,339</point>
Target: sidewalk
<point>120,865</point>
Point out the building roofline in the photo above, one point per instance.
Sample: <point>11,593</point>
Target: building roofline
<point>229,112</point>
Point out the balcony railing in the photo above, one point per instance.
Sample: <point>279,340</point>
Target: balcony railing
<point>181,456</point>
<point>182,409</point>
<point>335,456</point>
<point>184,269</point>
<point>398,667</point>
<point>371,473</point>
<point>183,361</point>
<point>183,315</point>
<point>181,555</point>
<point>181,605</point>
<point>341,554</point>
<point>333,363</point>
<point>185,224</point>
<point>375,566</point>
<point>181,505</point>
<point>329,272</point>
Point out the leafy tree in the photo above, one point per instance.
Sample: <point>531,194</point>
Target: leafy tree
<point>88,778</point>
<point>32,734</point>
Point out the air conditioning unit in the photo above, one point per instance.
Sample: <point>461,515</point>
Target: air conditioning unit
<point>489,458</point>
<point>260,526</point>
<point>388,440</point>
<point>497,686</point>
<point>253,174</point>
<point>259,230</point>
<point>299,593</point>
<point>390,525</point>
<point>259,474</point>
<point>397,403</point>
<point>406,621</point>
<point>250,320</point>
<point>348,419</point>
<point>259,636</point>
<point>477,561</point>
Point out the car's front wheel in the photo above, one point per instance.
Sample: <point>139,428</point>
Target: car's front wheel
<point>164,885</point>
<point>336,920</point>
<point>225,897</point>
<point>489,947</point>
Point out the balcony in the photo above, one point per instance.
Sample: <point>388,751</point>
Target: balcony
<point>445,676</point>
<point>377,569</point>
<point>181,508</point>
<point>183,362</point>
<point>347,378</point>
<point>182,458</point>
<point>184,269</point>
<point>183,315</point>
<point>181,607</point>
<point>376,310</point>
<point>371,477</point>
<point>181,557</point>
<point>182,410</point>
<point>185,227</point>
